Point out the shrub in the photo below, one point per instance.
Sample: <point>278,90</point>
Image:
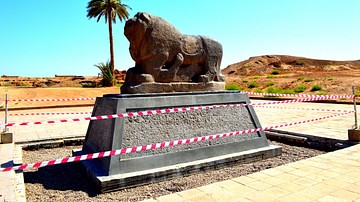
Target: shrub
<point>300,78</point>
<point>295,62</point>
<point>256,77</point>
<point>257,91</point>
<point>316,87</point>
<point>88,85</point>
<point>288,91</point>
<point>106,73</point>
<point>245,81</point>
<point>275,72</point>
<point>329,79</point>
<point>253,85</point>
<point>232,87</point>
<point>321,93</point>
<point>300,88</point>
<point>308,80</point>
<point>269,76</point>
<point>270,84</point>
<point>274,90</point>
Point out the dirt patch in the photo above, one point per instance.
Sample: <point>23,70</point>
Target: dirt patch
<point>66,183</point>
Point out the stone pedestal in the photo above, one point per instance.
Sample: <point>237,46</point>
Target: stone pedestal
<point>123,171</point>
<point>172,87</point>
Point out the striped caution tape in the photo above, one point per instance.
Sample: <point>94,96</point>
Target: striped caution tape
<point>49,113</point>
<point>172,110</point>
<point>158,145</point>
<point>51,99</point>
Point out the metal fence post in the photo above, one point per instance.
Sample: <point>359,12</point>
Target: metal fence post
<point>354,99</point>
<point>6,112</point>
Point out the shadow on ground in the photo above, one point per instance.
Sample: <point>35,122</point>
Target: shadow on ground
<point>61,177</point>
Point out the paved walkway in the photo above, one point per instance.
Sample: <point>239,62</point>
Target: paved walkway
<point>330,177</point>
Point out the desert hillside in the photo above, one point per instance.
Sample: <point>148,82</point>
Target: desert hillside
<point>290,74</point>
<point>263,65</point>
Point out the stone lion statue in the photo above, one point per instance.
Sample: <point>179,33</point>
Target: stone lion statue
<point>163,54</point>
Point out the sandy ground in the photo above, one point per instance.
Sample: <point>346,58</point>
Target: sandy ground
<point>16,93</point>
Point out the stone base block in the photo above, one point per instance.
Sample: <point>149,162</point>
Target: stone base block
<point>172,87</point>
<point>132,179</point>
<point>354,134</point>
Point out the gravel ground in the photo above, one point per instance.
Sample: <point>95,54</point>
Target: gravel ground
<point>66,183</point>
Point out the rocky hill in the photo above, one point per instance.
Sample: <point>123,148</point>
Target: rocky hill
<point>263,65</point>
<point>290,74</point>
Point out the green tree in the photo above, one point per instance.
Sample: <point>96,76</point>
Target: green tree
<point>110,10</point>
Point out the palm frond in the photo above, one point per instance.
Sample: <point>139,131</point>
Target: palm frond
<point>102,8</point>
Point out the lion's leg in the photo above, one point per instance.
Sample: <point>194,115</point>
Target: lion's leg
<point>210,74</point>
<point>169,74</point>
<point>154,64</point>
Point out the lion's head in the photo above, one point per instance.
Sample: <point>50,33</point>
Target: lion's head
<point>134,31</point>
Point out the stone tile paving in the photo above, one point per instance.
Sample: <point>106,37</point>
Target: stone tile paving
<point>306,180</point>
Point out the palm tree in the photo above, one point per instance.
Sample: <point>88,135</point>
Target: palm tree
<point>110,9</point>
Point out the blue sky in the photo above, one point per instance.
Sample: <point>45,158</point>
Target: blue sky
<point>43,38</point>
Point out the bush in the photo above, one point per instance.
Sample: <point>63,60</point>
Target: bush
<point>300,88</point>
<point>270,84</point>
<point>88,85</point>
<point>245,81</point>
<point>274,90</point>
<point>321,93</point>
<point>269,76</point>
<point>106,73</point>
<point>256,77</point>
<point>299,63</point>
<point>316,87</point>
<point>232,87</point>
<point>275,72</point>
<point>300,78</point>
<point>253,85</point>
<point>288,91</point>
<point>257,91</point>
<point>308,80</point>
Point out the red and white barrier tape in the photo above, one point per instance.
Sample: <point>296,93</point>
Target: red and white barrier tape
<point>50,99</point>
<point>49,113</point>
<point>250,93</point>
<point>157,145</point>
<point>301,108</point>
<point>172,110</point>
<point>284,95</point>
